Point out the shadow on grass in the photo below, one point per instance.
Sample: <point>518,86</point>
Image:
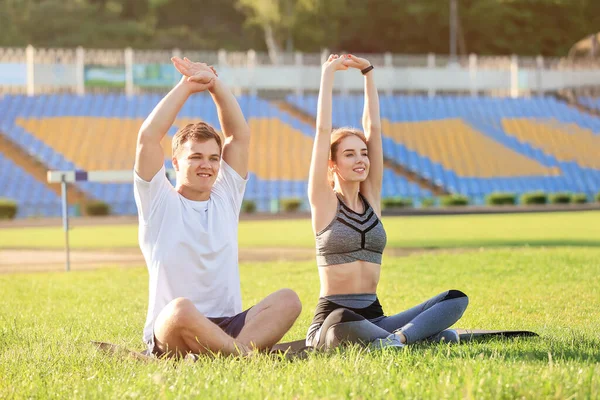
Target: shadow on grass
<point>531,349</point>
<point>525,348</point>
<point>434,245</point>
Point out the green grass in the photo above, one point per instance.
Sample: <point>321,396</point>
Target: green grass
<point>546,229</point>
<point>48,319</point>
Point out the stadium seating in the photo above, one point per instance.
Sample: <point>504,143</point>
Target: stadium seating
<point>468,145</point>
<point>98,132</point>
<point>591,102</point>
<point>475,146</point>
<point>33,197</point>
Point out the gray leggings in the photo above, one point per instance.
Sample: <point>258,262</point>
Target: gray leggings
<point>421,322</point>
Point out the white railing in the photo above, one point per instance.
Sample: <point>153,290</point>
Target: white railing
<point>33,71</point>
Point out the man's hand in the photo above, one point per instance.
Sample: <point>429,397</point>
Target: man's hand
<point>197,77</point>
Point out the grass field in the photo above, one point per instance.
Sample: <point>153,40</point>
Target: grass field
<point>575,229</point>
<point>48,319</point>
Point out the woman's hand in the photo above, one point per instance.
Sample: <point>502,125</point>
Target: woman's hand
<point>335,63</point>
<point>356,62</point>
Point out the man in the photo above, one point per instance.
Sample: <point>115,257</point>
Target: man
<point>188,234</point>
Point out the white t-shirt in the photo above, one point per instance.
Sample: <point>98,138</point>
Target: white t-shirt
<point>190,247</point>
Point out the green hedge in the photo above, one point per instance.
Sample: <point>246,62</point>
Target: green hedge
<point>454,200</point>
<point>248,206</point>
<point>534,198</point>
<point>390,203</point>
<point>579,198</point>
<point>290,205</point>
<point>598,197</point>
<point>501,199</point>
<point>428,202</point>
<point>560,198</point>
<point>8,208</point>
<point>97,208</point>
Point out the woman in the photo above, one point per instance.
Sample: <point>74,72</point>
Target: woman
<point>344,190</point>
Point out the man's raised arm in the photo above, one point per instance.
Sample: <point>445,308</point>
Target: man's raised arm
<point>149,157</point>
<point>234,125</point>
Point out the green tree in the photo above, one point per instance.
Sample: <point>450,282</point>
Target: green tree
<point>277,19</point>
<point>204,24</point>
<point>523,27</point>
<point>69,23</point>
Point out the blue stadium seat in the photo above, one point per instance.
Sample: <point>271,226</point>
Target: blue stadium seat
<point>34,198</point>
<point>484,115</point>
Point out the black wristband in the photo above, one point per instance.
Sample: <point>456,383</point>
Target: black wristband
<point>364,71</point>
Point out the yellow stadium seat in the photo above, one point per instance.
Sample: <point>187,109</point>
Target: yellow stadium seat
<point>277,150</point>
<point>566,142</point>
<point>92,143</point>
<point>462,149</point>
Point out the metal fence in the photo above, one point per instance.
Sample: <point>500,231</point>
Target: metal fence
<point>33,71</point>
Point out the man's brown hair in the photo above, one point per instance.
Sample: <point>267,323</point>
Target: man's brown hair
<point>200,131</point>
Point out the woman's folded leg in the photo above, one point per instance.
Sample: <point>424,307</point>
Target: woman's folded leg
<point>428,318</point>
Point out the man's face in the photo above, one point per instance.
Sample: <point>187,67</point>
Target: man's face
<point>197,164</point>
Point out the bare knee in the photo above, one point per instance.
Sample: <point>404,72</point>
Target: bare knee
<point>288,300</point>
<point>171,325</point>
<point>178,312</point>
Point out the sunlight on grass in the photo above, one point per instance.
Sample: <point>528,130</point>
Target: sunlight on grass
<point>544,229</point>
<point>48,320</point>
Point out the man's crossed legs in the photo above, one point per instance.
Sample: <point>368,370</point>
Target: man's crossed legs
<point>180,328</point>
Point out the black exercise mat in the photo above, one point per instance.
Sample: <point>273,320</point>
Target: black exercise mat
<point>466,335</point>
<point>299,348</point>
<point>123,351</point>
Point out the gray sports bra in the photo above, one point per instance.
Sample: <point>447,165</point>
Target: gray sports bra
<point>351,237</point>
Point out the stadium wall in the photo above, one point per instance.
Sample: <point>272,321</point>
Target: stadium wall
<point>34,71</point>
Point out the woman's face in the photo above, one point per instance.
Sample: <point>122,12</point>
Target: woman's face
<point>352,160</point>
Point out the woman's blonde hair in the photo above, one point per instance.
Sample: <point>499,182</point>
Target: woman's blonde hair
<point>337,135</point>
